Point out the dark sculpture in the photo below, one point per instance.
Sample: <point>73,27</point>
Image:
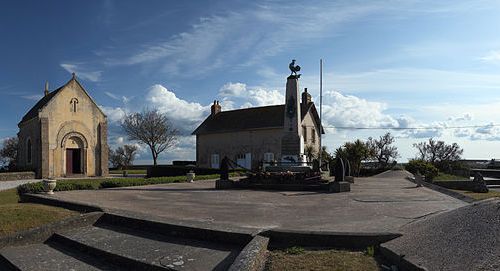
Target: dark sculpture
<point>347,168</point>
<point>294,68</point>
<point>224,168</point>
<point>339,170</point>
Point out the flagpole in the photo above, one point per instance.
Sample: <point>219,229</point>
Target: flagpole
<point>320,109</point>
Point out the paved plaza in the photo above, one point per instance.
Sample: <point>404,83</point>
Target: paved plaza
<point>376,204</point>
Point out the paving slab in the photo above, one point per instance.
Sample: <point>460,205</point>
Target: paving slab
<point>158,250</point>
<point>5,185</point>
<point>383,203</point>
<point>42,257</point>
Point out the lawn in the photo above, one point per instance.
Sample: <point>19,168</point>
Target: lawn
<point>16,216</point>
<point>129,171</point>
<point>336,260</point>
<point>480,196</point>
<point>449,177</point>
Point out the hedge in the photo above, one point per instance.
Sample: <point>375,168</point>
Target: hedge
<point>93,184</point>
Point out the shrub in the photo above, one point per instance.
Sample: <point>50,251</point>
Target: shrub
<point>425,168</point>
<point>295,250</point>
<point>93,184</point>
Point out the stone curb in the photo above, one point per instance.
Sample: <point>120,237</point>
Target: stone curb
<point>447,192</point>
<point>129,263</point>
<point>343,240</point>
<point>42,233</point>
<point>253,257</point>
<point>205,233</point>
<point>71,205</point>
<point>399,260</point>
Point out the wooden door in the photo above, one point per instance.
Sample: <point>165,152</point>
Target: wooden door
<point>69,161</point>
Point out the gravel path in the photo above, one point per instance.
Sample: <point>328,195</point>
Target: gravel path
<point>4,185</point>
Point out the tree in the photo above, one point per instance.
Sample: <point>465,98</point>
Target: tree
<point>115,159</point>
<point>382,149</point>
<point>128,153</point>
<point>9,151</point>
<point>355,152</point>
<point>438,153</point>
<point>152,128</point>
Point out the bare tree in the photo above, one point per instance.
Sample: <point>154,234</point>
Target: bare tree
<point>128,153</point>
<point>382,149</point>
<point>123,157</point>
<point>152,128</point>
<point>115,159</point>
<point>438,152</point>
<point>8,153</point>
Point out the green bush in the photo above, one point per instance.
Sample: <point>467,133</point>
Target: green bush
<point>93,184</point>
<point>425,168</point>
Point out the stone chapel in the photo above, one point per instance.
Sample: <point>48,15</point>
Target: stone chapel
<point>64,134</point>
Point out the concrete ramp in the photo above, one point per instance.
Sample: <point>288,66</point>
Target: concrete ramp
<point>467,238</point>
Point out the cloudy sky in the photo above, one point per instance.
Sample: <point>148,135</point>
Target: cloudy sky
<point>387,64</point>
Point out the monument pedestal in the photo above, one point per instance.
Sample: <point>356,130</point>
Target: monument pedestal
<point>224,184</point>
<point>337,187</point>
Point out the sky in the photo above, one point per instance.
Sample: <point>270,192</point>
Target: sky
<point>387,64</point>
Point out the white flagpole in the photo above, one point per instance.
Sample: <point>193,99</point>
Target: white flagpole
<point>320,108</point>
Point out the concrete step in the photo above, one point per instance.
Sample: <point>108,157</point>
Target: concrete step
<point>149,251</point>
<point>50,257</point>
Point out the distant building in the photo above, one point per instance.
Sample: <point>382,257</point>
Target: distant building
<point>260,134</point>
<point>64,134</point>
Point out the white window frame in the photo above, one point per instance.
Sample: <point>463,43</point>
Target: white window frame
<point>214,160</point>
<point>268,157</point>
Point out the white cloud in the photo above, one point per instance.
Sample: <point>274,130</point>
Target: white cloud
<point>351,111</point>
<point>232,89</point>
<point>114,114</point>
<point>183,114</point>
<point>81,71</point>
<point>492,57</point>
<point>239,93</point>
<point>35,97</point>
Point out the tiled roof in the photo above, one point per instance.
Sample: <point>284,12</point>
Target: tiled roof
<point>39,105</point>
<point>243,119</point>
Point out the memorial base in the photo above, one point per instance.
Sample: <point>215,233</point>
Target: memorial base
<point>224,184</point>
<point>337,187</point>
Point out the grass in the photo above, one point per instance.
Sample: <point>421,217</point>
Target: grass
<point>336,260</point>
<point>449,177</point>
<point>15,216</point>
<point>129,171</point>
<point>480,196</point>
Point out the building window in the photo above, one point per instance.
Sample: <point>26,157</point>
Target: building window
<point>28,151</point>
<point>304,133</point>
<point>268,157</point>
<point>214,161</point>
<point>73,104</point>
<point>313,135</point>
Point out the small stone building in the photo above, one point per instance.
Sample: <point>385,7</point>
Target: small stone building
<point>64,134</point>
<point>257,135</point>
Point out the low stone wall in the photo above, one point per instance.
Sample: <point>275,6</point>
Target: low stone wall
<point>14,176</point>
<point>456,185</point>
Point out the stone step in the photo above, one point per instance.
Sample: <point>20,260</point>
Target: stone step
<point>149,251</point>
<point>50,257</point>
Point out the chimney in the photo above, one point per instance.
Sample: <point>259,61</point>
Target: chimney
<point>306,97</point>
<point>46,92</point>
<point>215,108</point>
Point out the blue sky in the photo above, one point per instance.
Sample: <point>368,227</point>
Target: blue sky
<point>386,63</point>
